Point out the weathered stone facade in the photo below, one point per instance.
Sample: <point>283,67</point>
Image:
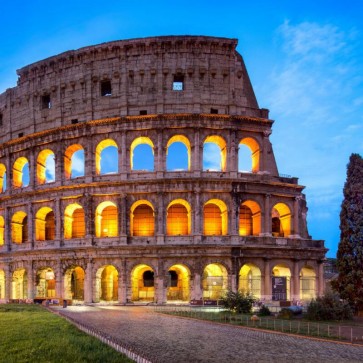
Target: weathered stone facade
<point>56,239</point>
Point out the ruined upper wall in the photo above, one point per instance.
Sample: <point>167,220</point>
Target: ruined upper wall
<point>129,77</point>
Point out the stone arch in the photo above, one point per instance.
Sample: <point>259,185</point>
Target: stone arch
<point>214,281</point>
<point>106,220</point>
<point>142,140</point>
<point>2,178</point>
<point>106,283</point>
<point>2,284</point>
<point>45,167</point>
<point>45,283</point>
<point>222,145</point>
<point>100,149</point>
<point>254,148</point>
<point>281,275</point>
<point>215,216</point>
<point>307,283</point>
<point>281,220</point>
<point>44,224</point>
<point>2,231</point>
<point>183,140</point>
<point>19,284</point>
<point>74,283</point>
<point>19,227</point>
<point>249,218</point>
<point>178,283</point>
<point>250,280</point>
<point>142,219</point>
<point>142,283</point>
<point>21,172</point>
<point>178,219</point>
<point>74,221</point>
<point>74,161</point>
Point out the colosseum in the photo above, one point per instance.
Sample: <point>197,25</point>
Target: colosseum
<point>142,171</point>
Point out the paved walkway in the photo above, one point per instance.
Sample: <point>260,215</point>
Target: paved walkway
<point>162,338</point>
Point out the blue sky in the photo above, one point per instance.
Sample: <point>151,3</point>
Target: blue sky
<point>305,60</point>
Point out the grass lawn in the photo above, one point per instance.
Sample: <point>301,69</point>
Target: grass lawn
<point>29,333</point>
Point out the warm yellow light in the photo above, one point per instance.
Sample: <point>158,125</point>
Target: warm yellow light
<point>41,165</point>
<point>18,167</point>
<point>142,221</point>
<point>68,159</point>
<point>282,211</point>
<point>2,176</point>
<point>215,218</point>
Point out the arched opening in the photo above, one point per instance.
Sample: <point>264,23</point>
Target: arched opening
<point>106,220</point>
<point>307,283</point>
<point>281,276</point>
<point>74,161</point>
<point>44,224</point>
<point>215,218</point>
<point>2,231</point>
<point>2,284</point>
<point>248,155</point>
<point>214,154</point>
<point>142,154</point>
<point>178,153</point>
<point>250,280</point>
<point>21,173</point>
<point>106,288</point>
<point>74,222</point>
<point>45,167</point>
<point>19,284</point>
<point>178,283</point>
<point>2,178</point>
<point>281,220</point>
<point>215,281</point>
<point>142,221</point>
<point>142,283</point>
<point>19,227</point>
<point>178,219</point>
<point>249,219</point>
<point>74,283</point>
<point>45,283</point>
<point>106,157</point>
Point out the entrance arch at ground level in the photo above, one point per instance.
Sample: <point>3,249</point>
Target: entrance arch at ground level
<point>143,283</point>
<point>215,281</point>
<point>178,283</point>
<point>74,283</point>
<point>106,284</point>
<point>45,283</point>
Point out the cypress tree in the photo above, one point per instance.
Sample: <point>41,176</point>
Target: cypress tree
<point>349,283</point>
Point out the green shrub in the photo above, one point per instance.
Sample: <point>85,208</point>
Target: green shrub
<point>329,307</point>
<point>238,302</point>
<point>264,311</point>
<point>285,313</point>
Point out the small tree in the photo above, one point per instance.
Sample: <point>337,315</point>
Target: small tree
<point>238,302</point>
<point>349,283</point>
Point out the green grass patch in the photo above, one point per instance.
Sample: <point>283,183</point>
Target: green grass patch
<point>29,333</point>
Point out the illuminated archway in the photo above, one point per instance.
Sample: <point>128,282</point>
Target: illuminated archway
<point>44,224</point>
<point>2,284</point>
<point>281,220</point>
<point>19,284</point>
<point>21,173</point>
<point>74,222</point>
<point>74,283</point>
<point>2,231</point>
<point>215,281</point>
<point>45,283</point>
<point>142,283</point>
<point>74,161</point>
<point>215,218</point>
<point>178,283</point>
<point>106,220</point>
<point>142,221</point>
<point>249,219</point>
<point>106,157</point>
<point>281,282</point>
<point>45,167</point>
<point>19,227</point>
<point>307,283</point>
<point>178,220</point>
<point>143,157</point>
<point>253,157</point>
<point>212,156</point>
<point>107,283</point>
<point>177,156</point>
<point>250,280</point>
<point>2,178</point>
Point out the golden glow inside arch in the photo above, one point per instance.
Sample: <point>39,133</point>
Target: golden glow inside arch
<point>74,283</point>
<point>178,283</point>
<point>142,221</point>
<point>68,159</point>
<point>218,140</point>
<point>2,231</point>
<point>98,156</point>
<point>142,283</point>
<point>139,141</point>
<point>281,219</point>
<point>44,224</point>
<point>74,221</point>
<point>46,283</point>
<point>107,283</point>
<point>19,227</point>
<point>307,283</point>
<point>215,281</point>
<point>178,220</point>
<point>283,270</point>
<point>42,166</point>
<point>2,178</point>
<point>185,141</point>
<point>18,172</point>
<point>253,145</point>
<point>106,220</point>
<point>2,284</point>
<point>19,284</point>
<point>250,220</point>
<point>215,218</point>
<point>250,280</point>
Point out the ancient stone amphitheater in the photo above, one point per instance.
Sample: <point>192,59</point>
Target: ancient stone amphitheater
<point>80,219</point>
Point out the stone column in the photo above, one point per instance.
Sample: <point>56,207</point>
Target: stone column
<point>198,217</point>
<point>89,160</point>
<point>59,235</point>
<point>122,284</point>
<point>59,280</point>
<point>321,282</point>
<point>232,282</point>
<point>197,154</point>
<point>124,166</point>
<point>268,281</point>
<point>7,232</point>
<point>88,283</point>
<point>295,293</point>
<point>267,216</point>
<point>160,219</point>
<point>232,161</point>
<point>89,213</point>
<point>161,289</point>
<point>59,166</point>
<point>8,279</point>
<point>197,292</point>
<point>32,169</point>
<point>30,274</point>
<point>31,226</point>
<point>9,174</point>
<point>264,153</point>
<point>296,232</point>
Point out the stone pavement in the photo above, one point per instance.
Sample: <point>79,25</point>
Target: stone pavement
<point>164,338</point>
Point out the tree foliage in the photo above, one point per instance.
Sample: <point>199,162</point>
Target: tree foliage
<point>238,302</point>
<point>349,283</point>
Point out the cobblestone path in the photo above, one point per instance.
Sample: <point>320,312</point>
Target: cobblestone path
<point>163,338</point>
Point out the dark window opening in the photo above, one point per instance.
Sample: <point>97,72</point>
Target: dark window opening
<point>214,111</point>
<point>106,89</point>
<point>1,119</point>
<point>173,279</point>
<point>148,278</point>
<point>74,121</point>
<point>178,83</point>
<point>46,103</point>
<point>20,134</point>
<point>143,112</point>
